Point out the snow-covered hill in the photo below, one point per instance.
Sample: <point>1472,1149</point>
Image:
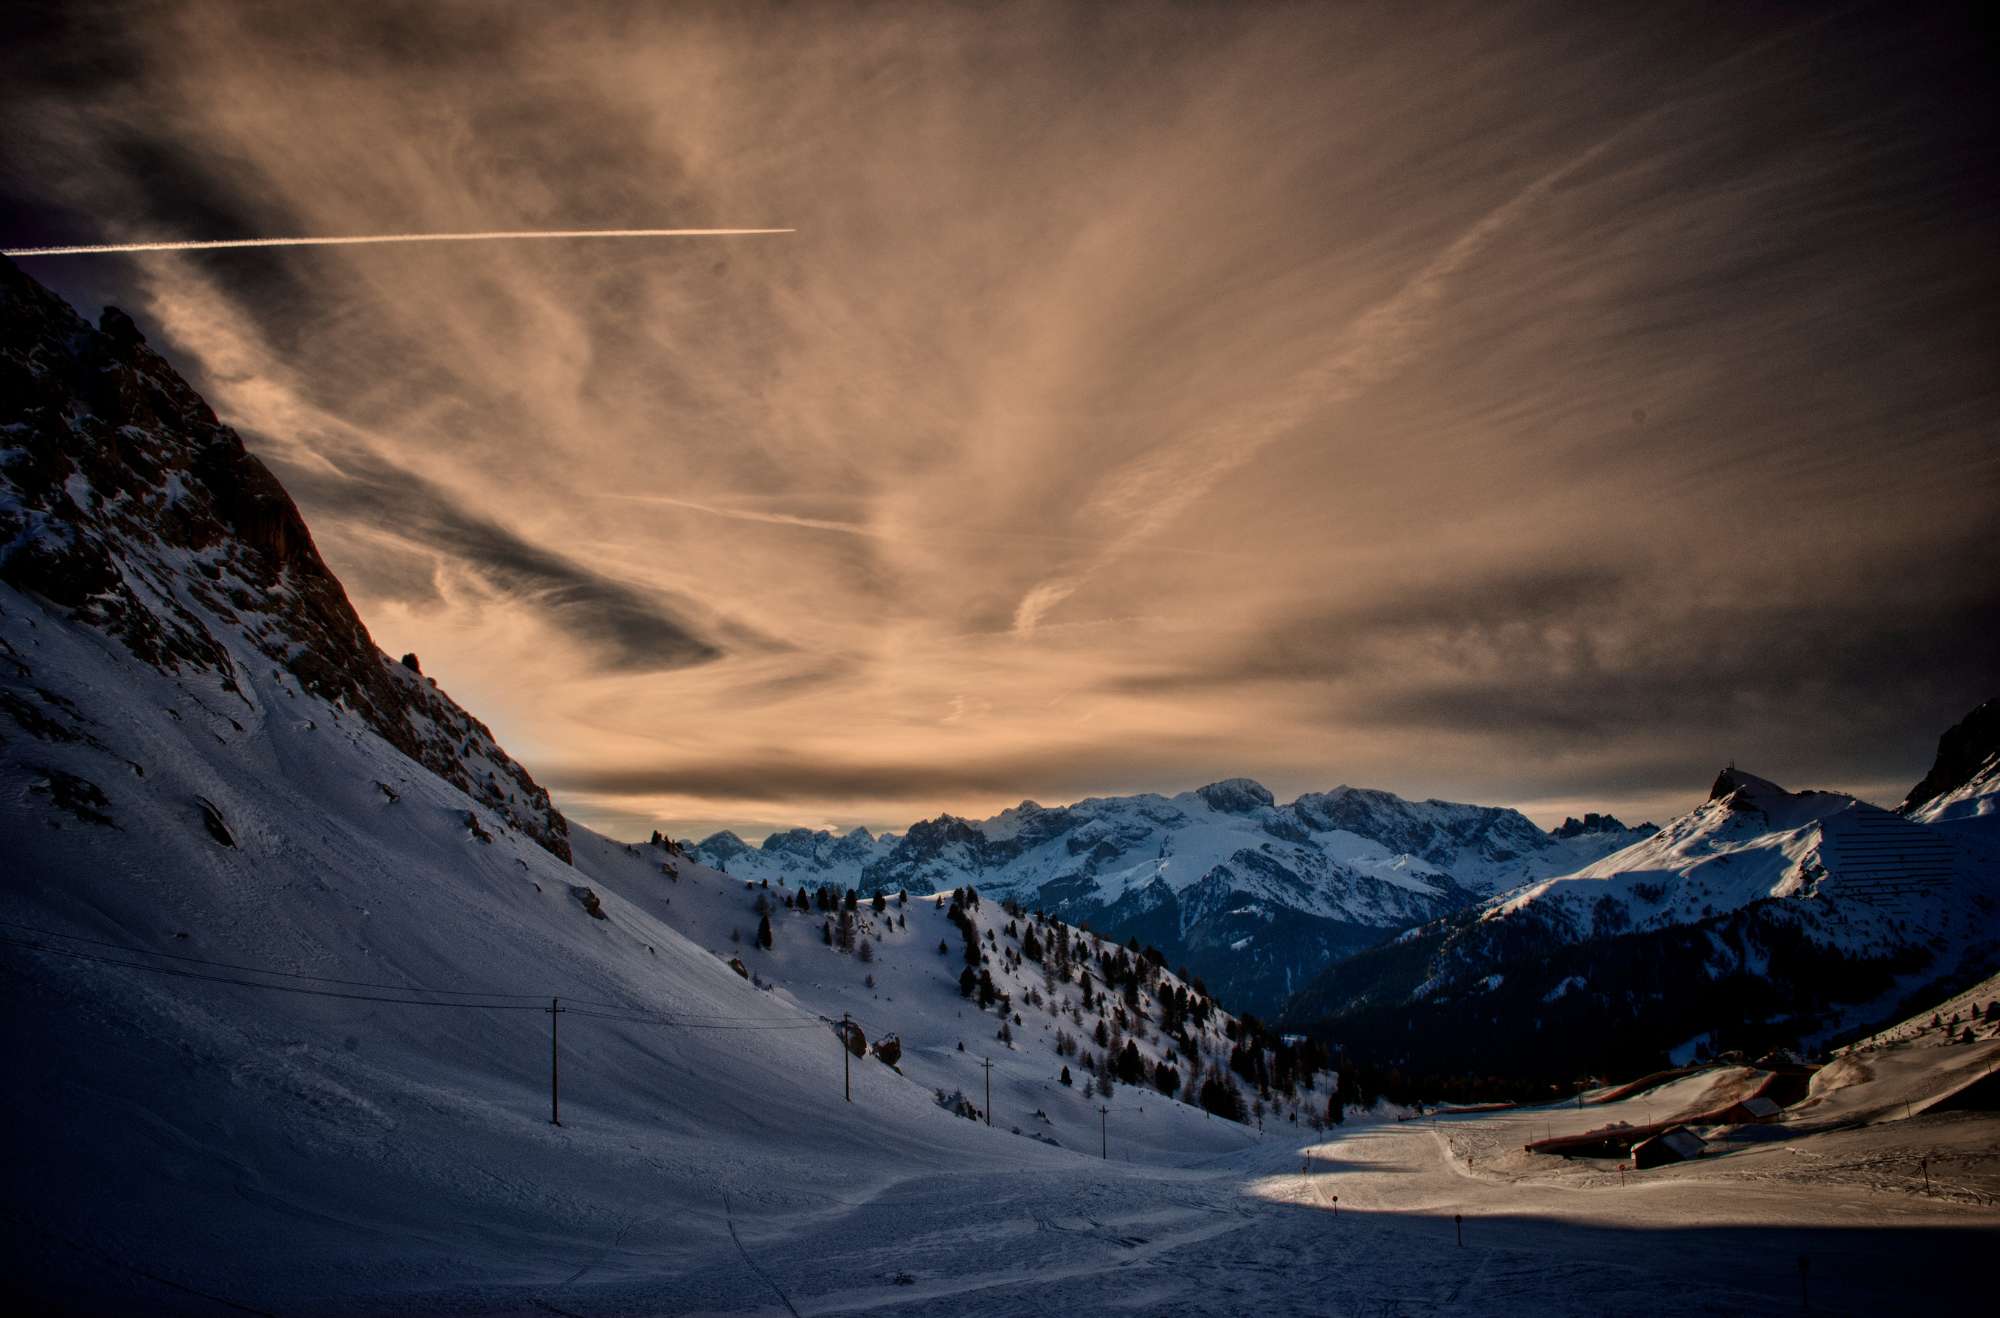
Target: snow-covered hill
<point>1254,896</point>
<point>1061,1001</point>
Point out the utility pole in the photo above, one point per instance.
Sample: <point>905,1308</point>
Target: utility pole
<point>989,1090</point>
<point>1458,1223</point>
<point>1104,1132</point>
<point>846,1061</point>
<point>555,1009</point>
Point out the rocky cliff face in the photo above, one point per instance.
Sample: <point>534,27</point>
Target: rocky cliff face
<point>127,506</point>
<point>1592,822</point>
<point>1963,786</point>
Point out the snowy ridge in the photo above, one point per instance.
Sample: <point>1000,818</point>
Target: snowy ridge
<point>1891,881</point>
<point>1416,846</point>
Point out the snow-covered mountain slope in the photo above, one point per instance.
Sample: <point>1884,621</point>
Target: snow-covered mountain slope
<point>900,971</point>
<point>1760,917</point>
<point>126,505</point>
<point>1751,841</point>
<point>1254,896</point>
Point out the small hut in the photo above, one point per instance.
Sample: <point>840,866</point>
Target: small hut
<point>1675,1144</point>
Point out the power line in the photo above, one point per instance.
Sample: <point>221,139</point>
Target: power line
<point>328,979</point>
<point>766,1024</point>
<point>285,974</point>
<point>178,973</point>
<point>746,1023</point>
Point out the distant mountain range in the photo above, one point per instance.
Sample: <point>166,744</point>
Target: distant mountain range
<point>1253,896</point>
<point>1761,918</point>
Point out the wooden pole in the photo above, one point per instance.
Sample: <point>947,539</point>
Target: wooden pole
<point>1104,1132</point>
<point>555,1088</point>
<point>846,1061</point>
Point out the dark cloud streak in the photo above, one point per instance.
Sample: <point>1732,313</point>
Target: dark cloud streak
<point>633,630</point>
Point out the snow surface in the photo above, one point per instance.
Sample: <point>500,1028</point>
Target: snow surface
<point>1976,804</point>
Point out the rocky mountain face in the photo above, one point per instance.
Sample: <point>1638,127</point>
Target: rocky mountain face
<point>1963,786</point>
<point>1252,895</point>
<point>127,507</point>
<point>1762,917</point>
<point>1592,822</point>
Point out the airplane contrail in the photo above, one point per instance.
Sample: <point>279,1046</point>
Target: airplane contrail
<point>351,240</point>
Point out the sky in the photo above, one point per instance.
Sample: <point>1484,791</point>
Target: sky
<point>1537,405</point>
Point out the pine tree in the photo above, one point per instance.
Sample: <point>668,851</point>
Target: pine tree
<point>764,932</point>
<point>1064,1077</point>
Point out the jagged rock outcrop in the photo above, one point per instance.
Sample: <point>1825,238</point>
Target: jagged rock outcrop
<point>128,506</point>
<point>1964,780</point>
<point>1592,822</point>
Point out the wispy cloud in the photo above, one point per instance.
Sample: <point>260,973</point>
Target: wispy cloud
<point>912,536</point>
<point>1506,402</point>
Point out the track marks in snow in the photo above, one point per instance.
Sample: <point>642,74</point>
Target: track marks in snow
<point>730,1216</point>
